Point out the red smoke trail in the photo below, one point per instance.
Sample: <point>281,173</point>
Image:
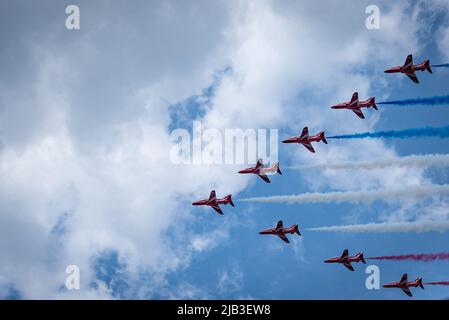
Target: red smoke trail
<point>440,283</point>
<point>415,257</point>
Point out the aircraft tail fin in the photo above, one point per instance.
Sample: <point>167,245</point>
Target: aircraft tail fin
<point>427,65</point>
<point>296,229</point>
<point>229,200</point>
<point>372,100</point>
<point>305,133</point>
<point>419,282</point>
<point>362,258</point>
<point>278,168</point>
<point>322,137</point>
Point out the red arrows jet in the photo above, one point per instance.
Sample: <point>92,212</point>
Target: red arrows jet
<point>214,202</point>
<point>262,171</point>
<point>356,105</point>
<point>409,68</point>
<point>306,140</point>
<point>404,285</point>
<point>346,260</point>
<point>281,232</point>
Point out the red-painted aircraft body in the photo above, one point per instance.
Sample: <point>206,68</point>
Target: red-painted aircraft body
<point>346,260</point>
<point>262,171</point>
<point>281,232</point>
<point>409,68</point>
<point>404,285</point>
<point>306,140</point>
<point>355,105</point>
<point>215,202</point>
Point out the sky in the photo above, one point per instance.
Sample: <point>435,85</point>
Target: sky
<point>86,118</point>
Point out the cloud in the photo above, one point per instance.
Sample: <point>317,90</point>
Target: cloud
<point>209,240</point>
<point>230,281</point>
<point>88,152</point>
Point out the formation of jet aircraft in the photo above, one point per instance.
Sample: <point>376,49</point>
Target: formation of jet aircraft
<point>405,285</point>
<point>346,260</point>
<point>408,68</point>
<point>306,140</point>
<point>281,231</point>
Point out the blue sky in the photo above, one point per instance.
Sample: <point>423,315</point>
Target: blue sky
<point>85,123</point>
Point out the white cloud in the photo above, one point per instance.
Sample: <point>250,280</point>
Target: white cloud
<point>230,280</point>
<point>443,41</point>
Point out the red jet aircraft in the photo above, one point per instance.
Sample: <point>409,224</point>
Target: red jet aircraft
<point>346,260</point>
<point>281,232</point>
<point>262,171</point>
<point>306,140</point>
<point>356,105</point>
<point>409,68</point>
<point>404,285</point>
<point>214,202</point>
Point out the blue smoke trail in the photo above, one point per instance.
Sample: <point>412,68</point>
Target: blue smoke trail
<point>445,65</point>
<point>432,101</point>
<point>442,132</point>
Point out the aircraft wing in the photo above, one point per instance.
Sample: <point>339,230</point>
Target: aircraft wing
<point>359,113</point>
<point>218,209</point>
<point>407,292</point>
<point>309,146</point>
<point>354,99</point>
<point>349,266</point>
<point>345,254</point>
<point>408,62</point>
<point>264,178</point>
<point>212,196</point>
<point>283,237</point>
<point>304,133</point>
<point>412,76</point>
<point>279,225</point>
<point>404,278</point>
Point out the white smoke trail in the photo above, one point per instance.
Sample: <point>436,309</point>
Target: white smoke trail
<point>417,161</point>
<point>398,227</point>
<point>356,196</point>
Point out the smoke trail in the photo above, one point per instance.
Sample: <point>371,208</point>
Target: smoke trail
<point>417,161</point>
<point>438,283</point>
<point>436,100</point>
<point>396,227</point>
<point>442,132</point>
<point>355,196</point>
<point>445,65</point>
<point>416,257</point>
